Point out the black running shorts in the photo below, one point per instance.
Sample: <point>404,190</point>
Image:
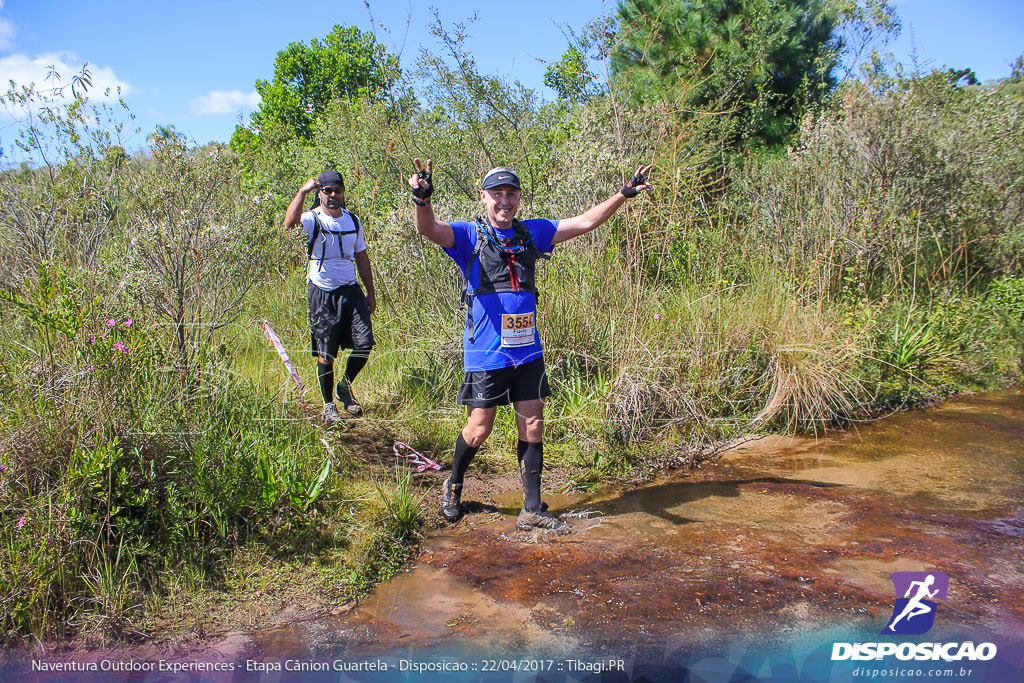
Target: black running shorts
<point>338,319</point>
<point>488,388</point>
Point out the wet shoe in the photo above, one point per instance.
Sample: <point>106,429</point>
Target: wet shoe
<point>542,520</point>
<point>344,391</point>
<point>331,416</point>
<point>451,501</point>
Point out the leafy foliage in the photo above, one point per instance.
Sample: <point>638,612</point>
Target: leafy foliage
<point>196,246</point>
<point>347,63</point>
<point>758,61</point>
<point>571,78</point>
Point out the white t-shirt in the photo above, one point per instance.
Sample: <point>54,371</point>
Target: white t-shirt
<point>331,264</point>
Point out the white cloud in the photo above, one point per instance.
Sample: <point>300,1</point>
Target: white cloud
<point>24,70</point>
<point>218,102</point>
<point>6,31</point>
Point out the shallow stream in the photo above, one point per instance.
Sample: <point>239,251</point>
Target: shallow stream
<point>772,554</point>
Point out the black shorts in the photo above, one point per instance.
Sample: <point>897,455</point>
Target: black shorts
<point>338,319</point>
<point>488,388</point>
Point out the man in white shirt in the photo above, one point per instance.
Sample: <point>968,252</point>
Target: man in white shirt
<point>339,311</point>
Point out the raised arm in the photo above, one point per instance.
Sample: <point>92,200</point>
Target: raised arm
<point>293,216</point>
<point>436,231</point>
<point>596,215</point>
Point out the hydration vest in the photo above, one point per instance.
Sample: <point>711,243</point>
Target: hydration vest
<point>319,227</point>
<point>506,264</point>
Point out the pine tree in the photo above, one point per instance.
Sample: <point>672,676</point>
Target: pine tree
<point>759,61</point>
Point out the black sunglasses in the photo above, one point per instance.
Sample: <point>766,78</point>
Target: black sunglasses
<point>332,190</point>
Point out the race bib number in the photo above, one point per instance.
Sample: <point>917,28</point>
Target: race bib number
<point>517,329</point>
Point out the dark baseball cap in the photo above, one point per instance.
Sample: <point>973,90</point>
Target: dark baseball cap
<point>331,178</point>
<point>501,176</point>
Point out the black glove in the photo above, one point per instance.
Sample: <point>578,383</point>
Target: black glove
<point>423,192</point>
<point>630,188</point>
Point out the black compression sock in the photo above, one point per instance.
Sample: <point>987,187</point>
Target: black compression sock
<point>356,360</point>
<point>531,462</point>
<point>325,373</point>
<point>462,457</point>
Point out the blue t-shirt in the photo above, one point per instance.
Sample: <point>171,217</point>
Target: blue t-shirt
<point>485,351</point>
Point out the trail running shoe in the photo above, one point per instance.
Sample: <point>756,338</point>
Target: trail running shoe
<point>451,500</point>
<point>542,520</point>
<point>331,416</point>
<point>344,391</point>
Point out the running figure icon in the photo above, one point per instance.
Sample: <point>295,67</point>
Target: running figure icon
<point>916,606</point>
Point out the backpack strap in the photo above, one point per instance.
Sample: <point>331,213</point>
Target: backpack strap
<point>359,226</point>
<point>318,228</point>
<point>467,296</point>
<point>482,233</point>
<point>312,237</point>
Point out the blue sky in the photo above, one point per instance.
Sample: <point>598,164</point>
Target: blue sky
<point>193,64</point>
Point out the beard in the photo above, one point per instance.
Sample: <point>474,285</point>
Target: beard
<point>333,202</point>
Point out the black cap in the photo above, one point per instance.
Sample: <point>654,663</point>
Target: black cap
<point>330,179</point>
<point>501,176</point>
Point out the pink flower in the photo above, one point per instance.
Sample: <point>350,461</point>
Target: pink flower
<point>127,323</point>
<point>103,336</point>
<point>120,347</point>
<point>92,340</point>
<point>657,315</point>
<point>111,322</point>
<point>92,368</point>
<point>21,522</point>
<point>3,468</point>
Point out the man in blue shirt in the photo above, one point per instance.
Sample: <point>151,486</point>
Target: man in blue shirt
<point>502,354</point>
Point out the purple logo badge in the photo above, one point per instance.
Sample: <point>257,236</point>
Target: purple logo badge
<point>917,594</point>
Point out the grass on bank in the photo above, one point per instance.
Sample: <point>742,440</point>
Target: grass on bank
<point>131,489</point>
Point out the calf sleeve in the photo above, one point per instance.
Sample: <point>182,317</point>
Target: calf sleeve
<point>325,373</point>
<point>356,360</point>
<point>531,462</point>
<point>462,457</point>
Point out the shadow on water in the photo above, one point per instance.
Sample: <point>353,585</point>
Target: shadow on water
<point>661,499</point>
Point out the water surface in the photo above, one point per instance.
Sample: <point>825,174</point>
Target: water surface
<point>784,545</point>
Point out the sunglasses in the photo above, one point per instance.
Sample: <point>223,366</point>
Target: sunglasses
<point>332,190</point>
